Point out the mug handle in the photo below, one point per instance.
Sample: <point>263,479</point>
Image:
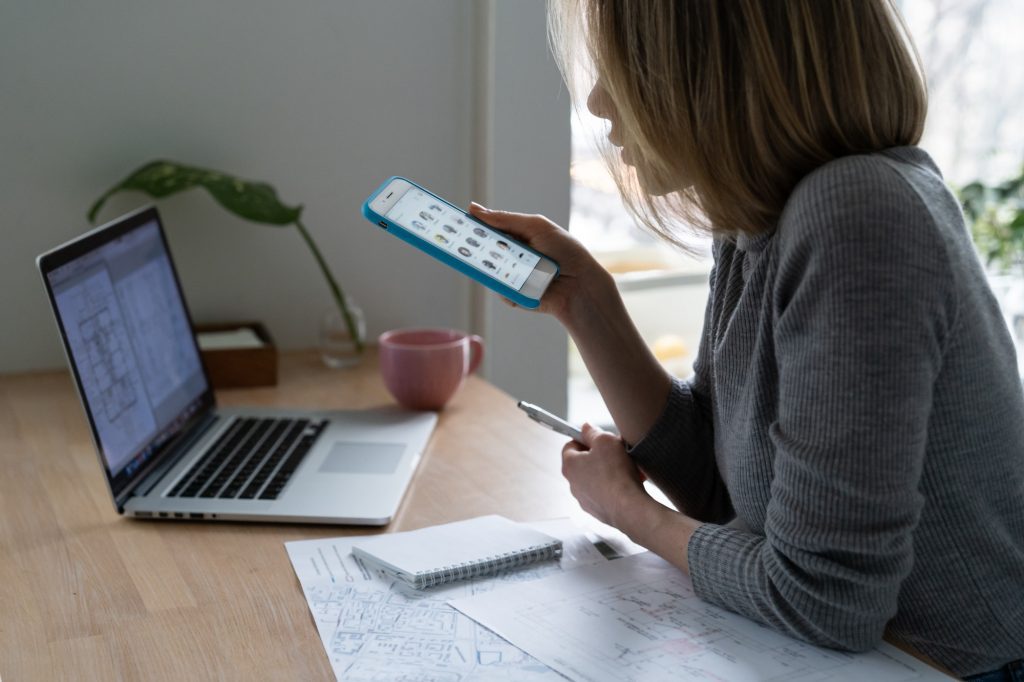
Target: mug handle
<point>476,352</point>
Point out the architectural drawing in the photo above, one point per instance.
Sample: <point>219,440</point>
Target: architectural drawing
<point>370,626</point>
<point>157,322</point>
<point>97,333</point>
<point>374,628</point>
<point>108,367</point>
<point>638,619</point>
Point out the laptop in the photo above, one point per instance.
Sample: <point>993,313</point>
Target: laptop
<point>167,450</point>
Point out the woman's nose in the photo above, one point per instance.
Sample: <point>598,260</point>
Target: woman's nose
<point>597,102</point>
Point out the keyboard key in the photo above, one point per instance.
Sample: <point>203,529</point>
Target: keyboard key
<point>235,460</point>
<point>270,464</point>
<point>290,465</point>
<point>254,460</point>
<point>192,482</point>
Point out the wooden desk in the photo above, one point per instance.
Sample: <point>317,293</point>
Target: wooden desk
<point>86,594</point>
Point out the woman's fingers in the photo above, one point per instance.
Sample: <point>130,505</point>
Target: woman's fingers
<point>516,224</point>
<point>590,432</point>
<point>570,452</point>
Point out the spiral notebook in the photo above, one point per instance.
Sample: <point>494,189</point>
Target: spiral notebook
<point>455,551</point>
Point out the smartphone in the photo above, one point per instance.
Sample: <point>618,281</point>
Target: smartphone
<point>455,238</point>
<point>545,418</point>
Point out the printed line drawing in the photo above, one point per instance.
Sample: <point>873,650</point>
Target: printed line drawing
<point>375,623</point>
<point>100,340</point>
<point>638,619</point>
<point>376,628</point>
<point>108,363</point>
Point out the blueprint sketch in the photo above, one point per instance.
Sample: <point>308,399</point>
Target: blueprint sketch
<point>158,324</point>
<point>638,619</point>
<point>375,628</point>
<point>97,333</point>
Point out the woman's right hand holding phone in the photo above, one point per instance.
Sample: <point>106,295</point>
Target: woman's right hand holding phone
<point>580,277</point>
<point>585,300</point>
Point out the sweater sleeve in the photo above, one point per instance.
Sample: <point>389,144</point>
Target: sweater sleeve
<point>678,453</point>
<point>863,304</point>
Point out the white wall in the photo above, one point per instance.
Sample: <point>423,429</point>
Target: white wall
<point>321,97</point>
<point>523,165</point>
<point>324,99</point>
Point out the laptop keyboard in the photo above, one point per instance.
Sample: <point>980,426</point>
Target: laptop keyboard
<point>252,459</point>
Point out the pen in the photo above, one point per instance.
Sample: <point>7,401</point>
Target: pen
<point>545,418</point>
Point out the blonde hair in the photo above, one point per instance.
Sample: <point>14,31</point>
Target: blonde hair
<point>726,105</point>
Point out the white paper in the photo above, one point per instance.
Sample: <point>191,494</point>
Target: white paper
<point>463,543</point>
<point>638,619</point>
<point>375,628</point>
<point>243,337</point>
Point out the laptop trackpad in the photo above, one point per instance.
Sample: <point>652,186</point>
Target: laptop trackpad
<point>362,458</point>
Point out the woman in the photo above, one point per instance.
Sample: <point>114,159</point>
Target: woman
<point>848,458</point>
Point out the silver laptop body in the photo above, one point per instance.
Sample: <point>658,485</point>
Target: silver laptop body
<point>167,450</point>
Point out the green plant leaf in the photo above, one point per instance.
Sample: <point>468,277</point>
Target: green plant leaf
<point>255,201</point>
<point>973,198</point>
<point>1011,187</point>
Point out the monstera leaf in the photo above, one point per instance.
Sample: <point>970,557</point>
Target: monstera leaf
<point>253,201</point>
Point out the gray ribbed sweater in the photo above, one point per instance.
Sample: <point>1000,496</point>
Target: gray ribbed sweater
<point>856,412</point>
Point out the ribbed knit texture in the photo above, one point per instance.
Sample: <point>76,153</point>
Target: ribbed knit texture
<point>856,406</point>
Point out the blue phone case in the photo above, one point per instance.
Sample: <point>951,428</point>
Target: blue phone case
<point>445,257</point>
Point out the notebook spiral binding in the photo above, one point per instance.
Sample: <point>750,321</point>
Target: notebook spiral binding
<point>487,565</point>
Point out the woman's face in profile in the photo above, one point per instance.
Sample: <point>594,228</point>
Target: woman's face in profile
<point>600,105</point>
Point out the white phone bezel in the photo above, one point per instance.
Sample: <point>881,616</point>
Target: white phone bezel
<point>534,286</point>
<point>389,196</point>
<point>539,280</point>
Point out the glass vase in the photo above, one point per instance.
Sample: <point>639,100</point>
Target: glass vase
<point>337,347</point>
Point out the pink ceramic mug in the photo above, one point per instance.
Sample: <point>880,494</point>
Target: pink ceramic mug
<point>424,367</point>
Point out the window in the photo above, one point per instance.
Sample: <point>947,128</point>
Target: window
<point>972,56</point>
<point>664,290</point>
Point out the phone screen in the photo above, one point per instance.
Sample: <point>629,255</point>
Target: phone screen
<point>488,251</point>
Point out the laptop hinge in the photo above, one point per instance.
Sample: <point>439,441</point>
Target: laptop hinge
<point>173,452</point>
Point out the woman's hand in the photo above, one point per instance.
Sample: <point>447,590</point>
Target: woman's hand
<point>603,478</point>
<point>580,276</point>
<point>610,488</point>
<point>585,300</point>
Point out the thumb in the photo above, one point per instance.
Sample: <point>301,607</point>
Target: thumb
<point>520,225</point>
<point>590,432</point>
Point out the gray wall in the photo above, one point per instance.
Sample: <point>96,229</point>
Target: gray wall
<point>523,162</point>
<point>322,98</point>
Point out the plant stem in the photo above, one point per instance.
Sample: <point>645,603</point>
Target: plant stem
<point>339,295</point>
<point>95,208</point>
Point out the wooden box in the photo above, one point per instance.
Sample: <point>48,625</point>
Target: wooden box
<point>240,367</point>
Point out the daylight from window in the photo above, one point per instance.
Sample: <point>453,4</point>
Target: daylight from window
<point>972,54</point>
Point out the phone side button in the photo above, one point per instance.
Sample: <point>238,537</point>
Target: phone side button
<point>383,224</point>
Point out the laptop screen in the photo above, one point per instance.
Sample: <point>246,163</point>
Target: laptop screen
<point>129,338</point>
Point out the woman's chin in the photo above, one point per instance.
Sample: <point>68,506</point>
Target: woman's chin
<point>644,179</point>
<point>651,185</point>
